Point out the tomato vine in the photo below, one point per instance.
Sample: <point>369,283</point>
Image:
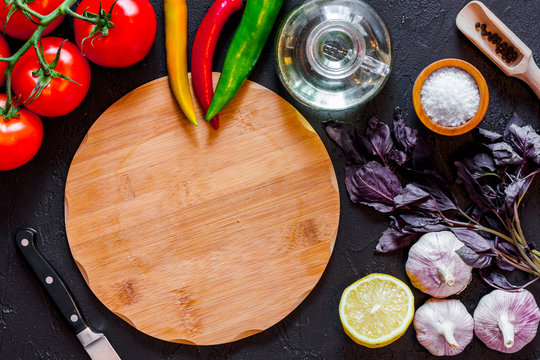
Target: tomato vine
<point>10,110</point>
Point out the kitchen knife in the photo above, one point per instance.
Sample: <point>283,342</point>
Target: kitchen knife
<point>95,344</point>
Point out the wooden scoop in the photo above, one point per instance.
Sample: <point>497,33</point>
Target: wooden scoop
<point>523,67</point>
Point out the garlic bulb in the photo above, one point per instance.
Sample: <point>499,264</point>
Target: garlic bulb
<point>506,321</point>
<point>443,327</point>
<point>435,268</point>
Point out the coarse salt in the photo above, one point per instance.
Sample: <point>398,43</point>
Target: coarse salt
<point>450,96</point>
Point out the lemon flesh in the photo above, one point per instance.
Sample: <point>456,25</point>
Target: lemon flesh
<point>376,310</point>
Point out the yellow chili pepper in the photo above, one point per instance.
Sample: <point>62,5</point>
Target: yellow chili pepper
<point>176,46</point>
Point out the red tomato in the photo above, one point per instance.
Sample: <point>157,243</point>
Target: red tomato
<point>60,96</point>
<point>128,41</point>
<point>20,138</point>
<point>20,27</point>
<point>4,52</point>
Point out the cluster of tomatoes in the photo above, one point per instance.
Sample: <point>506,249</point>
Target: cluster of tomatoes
<point>128,41</point>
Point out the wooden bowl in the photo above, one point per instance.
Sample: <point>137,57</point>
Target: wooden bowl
<point>482,87</point>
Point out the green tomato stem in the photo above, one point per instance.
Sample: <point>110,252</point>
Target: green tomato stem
<point>24,8</point>
<point>9,110</point>
<point>72,13</point>
<point>39,54</point>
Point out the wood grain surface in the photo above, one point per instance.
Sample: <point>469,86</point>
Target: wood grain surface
<point>200,236</point>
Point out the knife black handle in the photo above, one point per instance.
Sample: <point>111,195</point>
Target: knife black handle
<point>50,279</point>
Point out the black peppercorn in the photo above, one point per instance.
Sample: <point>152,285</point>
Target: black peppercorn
<point>507,52</point>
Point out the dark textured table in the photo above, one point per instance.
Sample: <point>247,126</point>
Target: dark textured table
<point>422,32</point>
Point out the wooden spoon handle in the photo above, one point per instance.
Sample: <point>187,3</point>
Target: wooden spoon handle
<point>531,76</point>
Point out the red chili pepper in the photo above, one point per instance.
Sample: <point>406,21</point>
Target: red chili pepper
<point>204,45</point>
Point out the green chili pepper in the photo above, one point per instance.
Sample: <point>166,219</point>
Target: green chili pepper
<point>246,47</point>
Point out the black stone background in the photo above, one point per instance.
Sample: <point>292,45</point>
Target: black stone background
<point>422,32</point>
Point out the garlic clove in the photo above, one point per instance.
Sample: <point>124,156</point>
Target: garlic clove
<point>435,268</point>
<point>506,321</point>
<point>443,327</point>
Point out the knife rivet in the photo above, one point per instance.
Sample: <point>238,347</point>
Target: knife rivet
<point>74,318</point>
<point>49,280</point>
<point>25,242</point>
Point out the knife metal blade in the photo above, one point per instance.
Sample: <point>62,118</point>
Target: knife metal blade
<point>96,344</point>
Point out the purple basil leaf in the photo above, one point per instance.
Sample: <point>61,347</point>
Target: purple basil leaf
<point>378,134</point>
<point>480,195</point>
<point>397,157</point>
<point>413,196</point>
<point>472,258</point>
<point>346,137</point>
<point>434,228</point>
<point>372,184</point>
<point>497,280</point>
<point>416,147</point>
<point>491,221</point>
<point>405,136</point>
<point>443,201</point>
<point>503,265</point>
<point>422,221</point>
<point>514,120</point>
<point>410,194</point>
<point>508,249</point>
<point>382,208</point>
<point>366,147</point>
<point>484,162</point>
<point>472,239</point>
<point>489,192</point>
<point>515,190</point>
<point>431,182</point>
<point>393,239</point>
<point>525,140</point>
<point>487,136</point>
<point>504,154</point>
<point>396,223</point>
<point>422,156</point>
<point>479,164</point>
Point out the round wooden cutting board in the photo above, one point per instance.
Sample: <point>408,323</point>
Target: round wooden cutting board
<point>199,236</point>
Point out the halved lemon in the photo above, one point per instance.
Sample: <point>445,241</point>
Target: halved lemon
<point>376,310</point>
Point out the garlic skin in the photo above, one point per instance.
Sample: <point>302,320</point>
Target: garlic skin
<point>435,268</point>
<point>506,321</point>
<point>443,327</point>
